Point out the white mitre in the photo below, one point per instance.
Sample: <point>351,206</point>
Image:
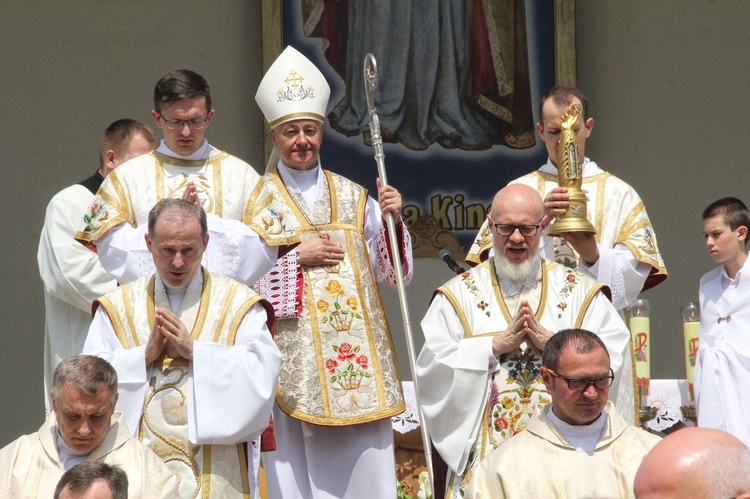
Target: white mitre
<point>292,89</point>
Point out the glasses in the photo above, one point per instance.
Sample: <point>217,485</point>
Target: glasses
<point>508,229</point>
<point>582,384</point>
<point>196,124</point>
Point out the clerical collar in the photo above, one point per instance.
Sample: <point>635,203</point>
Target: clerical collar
<point>589,168</point>
<point>175,295</point>
<point>304,182</point>
<point>203,152</point>
<point>582,437</point>
<point>68,457</point>
<point>512,288</point>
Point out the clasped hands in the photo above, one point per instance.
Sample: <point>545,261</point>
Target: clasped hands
<point>170,334</point>
<point>524,326</point>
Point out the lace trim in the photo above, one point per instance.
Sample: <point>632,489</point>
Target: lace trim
<point>283,286</point>
<point>385,273</point>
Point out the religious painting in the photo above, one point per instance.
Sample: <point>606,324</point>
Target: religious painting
<point>459,82</point>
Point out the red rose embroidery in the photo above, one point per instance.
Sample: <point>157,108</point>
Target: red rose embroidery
<point>331,365</point>
<point>571,278</point>
<point>346,352</point>
<point>501,423</point>
<point>362,361</point>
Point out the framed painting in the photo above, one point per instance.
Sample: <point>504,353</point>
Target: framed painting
<point>459,82</point>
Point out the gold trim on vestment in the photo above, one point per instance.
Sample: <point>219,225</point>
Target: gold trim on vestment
<point>459,311</point>
<point>216,159</point>
<point>586,303</point>
<point>114,318</point>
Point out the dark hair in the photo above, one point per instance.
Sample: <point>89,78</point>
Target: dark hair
<point>582,340</point>
<point>87,373</point>
<point>118,135</point>
<point>82,476</point>
<point>733,211</point>
<point>563,96</point>
<point>179,85</point>
<point>179,208</point>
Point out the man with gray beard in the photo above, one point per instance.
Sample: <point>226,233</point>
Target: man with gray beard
<point>479,370</point>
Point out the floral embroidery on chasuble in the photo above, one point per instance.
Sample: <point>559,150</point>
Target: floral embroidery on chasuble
<point>516,392</point>
<point>203,470</point>
<point>338,361</point>
<point>227,186</point>
<point>614,208</point>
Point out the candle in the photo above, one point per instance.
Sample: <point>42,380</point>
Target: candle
<point>690,330</point>
<point>640,329</point>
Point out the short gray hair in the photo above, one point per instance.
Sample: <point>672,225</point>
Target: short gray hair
<point>180,209</point>
<point>82,476</point>
<point>87,373</point>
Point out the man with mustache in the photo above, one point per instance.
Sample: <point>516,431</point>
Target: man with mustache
<point>479,370</point>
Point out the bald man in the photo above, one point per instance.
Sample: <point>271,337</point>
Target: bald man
<point>695,463</point>
<point>479,370</point>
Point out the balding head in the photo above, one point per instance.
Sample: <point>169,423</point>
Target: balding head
<point>517,221</point>
<point>695,462</point>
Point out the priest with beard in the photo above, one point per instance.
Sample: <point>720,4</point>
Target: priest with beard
<point>479,370</point>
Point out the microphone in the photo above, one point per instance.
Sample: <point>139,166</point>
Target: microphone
<point>445,256</point>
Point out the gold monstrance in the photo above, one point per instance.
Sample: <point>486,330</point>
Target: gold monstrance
<point>570,175</point>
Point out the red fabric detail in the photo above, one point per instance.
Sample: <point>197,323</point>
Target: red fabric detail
<point>482,69</point>
<point>268,437</point>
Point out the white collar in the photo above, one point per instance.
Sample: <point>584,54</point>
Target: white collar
<point>203,152</point>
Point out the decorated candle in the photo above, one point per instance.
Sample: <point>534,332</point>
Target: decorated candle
<point>640,330</point>
<point>690,329</point>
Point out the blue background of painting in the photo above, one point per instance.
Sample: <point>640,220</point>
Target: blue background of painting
<point>420,175</point>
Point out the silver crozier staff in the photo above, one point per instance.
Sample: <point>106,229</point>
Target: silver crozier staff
<point>371,83</point>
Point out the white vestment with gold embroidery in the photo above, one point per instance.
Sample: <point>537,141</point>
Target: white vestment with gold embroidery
<point>629,260</point>
<point>541,462</point>
<point>471,401</point>
<point>204,416</point>
<point>241,216</point>
<point>31,465</point>
<point>339,365</point>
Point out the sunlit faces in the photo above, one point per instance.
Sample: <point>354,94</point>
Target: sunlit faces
<point>177,248</point>
<point>184,140</point>
<point>298,143</point>
<point>82,419</point>
<point>723,243</point>
<point>549,128</point>
<point>576,407</point>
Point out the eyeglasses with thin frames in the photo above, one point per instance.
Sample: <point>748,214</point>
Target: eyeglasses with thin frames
<point>582,384</point>
<point>509,229</point>
<point>195,124</point>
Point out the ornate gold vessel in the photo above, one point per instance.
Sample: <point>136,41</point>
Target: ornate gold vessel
<point>570,175</point>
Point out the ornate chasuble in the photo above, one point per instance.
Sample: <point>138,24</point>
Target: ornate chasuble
<point>614,208</point>
<point>338,362</point>
<point>227,186</point>
<point>516,391</point>
<point>204,470</point>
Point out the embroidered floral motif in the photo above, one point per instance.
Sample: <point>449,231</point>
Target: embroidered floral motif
<point>570,282</point>
<point>649,245</point>
<point>273,221</point>
<point>468,281</point>
<point>351,376</point>
<point>96,217</point>
<point>338,316</point>
<point>295,90</point>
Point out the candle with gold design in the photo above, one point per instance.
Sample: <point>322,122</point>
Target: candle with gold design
<point>691,326</point>
<point>570,175</point>
<point>640,330</point>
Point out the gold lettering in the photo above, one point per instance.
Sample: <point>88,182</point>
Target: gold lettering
<point>410,213</point>
<point>440,207</point>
